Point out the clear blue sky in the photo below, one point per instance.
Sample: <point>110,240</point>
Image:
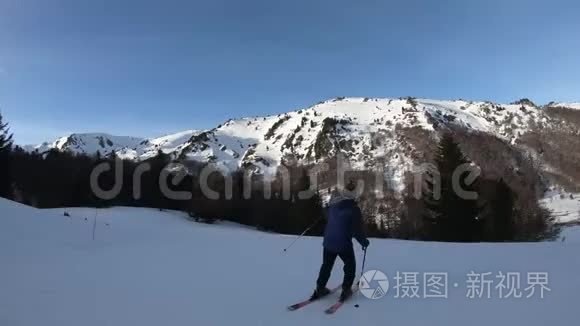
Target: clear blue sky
<point>144,68</point>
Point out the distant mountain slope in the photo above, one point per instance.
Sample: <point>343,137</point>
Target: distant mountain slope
<point>123,146</point>
<point>89,143</point>
<point>574,106</point>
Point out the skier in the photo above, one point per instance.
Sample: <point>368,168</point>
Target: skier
<point>344,222</point>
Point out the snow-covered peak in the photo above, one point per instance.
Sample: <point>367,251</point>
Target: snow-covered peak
<point>89,143</point>
<point>123,146</point>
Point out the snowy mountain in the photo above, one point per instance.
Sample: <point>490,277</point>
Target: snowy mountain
<point>269,139</point>
<point>146,267</point>
<point>88,143</point>
<point>368,131</point>
<point>124,146</point>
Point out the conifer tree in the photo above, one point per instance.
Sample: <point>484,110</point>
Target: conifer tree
<point>502,213</point>
<point>5,160</point>
<point>450,216</point>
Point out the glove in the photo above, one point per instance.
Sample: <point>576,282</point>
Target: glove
<point>365,243</point>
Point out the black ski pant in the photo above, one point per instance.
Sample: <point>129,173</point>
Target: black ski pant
<point>328,258</point>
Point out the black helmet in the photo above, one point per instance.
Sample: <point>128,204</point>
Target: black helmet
<point>350,186</point>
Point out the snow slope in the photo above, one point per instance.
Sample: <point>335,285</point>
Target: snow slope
<point>169,144</point>
<point>147,267</point>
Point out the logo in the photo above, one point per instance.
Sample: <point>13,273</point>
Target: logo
<point>374,284</point>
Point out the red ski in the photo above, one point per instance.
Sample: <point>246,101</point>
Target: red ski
<point>332,309</point>
<point>309,301</point>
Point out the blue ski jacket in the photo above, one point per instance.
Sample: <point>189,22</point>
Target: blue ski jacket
<point>344,222</point>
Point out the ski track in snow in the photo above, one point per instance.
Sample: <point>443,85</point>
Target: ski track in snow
<point>147,267</point>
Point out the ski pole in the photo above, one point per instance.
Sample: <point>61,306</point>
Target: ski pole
<point>363,264</point>
<point>95,224</point>
<point>362,273</point>
<point>303,233</point>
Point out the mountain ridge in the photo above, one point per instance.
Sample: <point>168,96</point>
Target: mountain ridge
<point>368,131</point>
